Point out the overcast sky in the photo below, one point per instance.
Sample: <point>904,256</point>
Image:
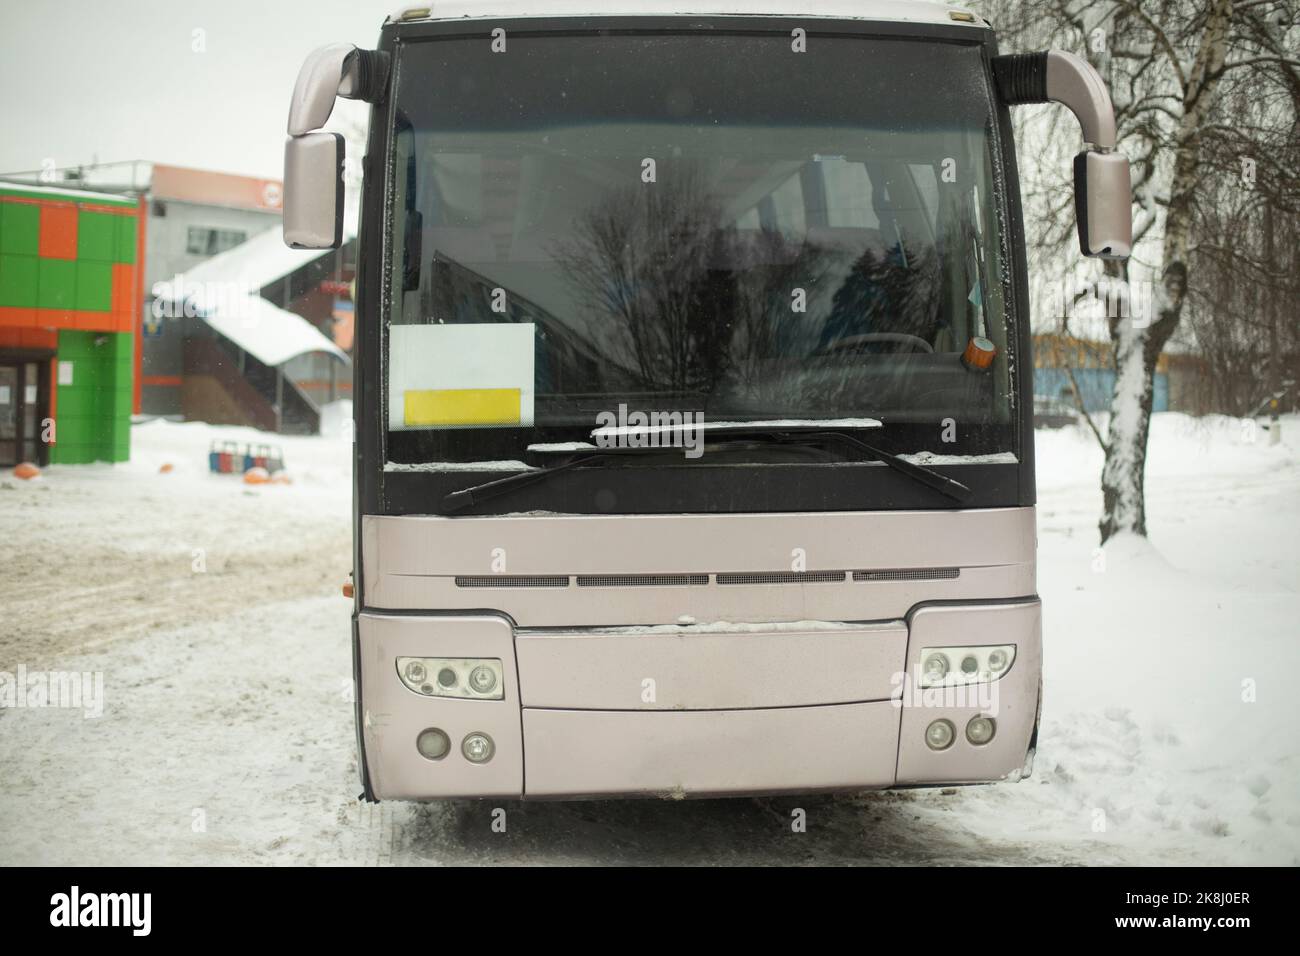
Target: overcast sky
<point>120,79</point>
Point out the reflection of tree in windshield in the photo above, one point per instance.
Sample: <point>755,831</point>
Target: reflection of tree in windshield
<point>697,303</point>
<point>735,317</point>
<point>642,256</point>
<point>889,302</point>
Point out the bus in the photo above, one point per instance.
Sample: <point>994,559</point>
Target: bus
<point>693,398</point>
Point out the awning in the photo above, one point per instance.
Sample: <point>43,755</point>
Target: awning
<point>268,333</point>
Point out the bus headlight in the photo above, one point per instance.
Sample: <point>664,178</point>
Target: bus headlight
<point>483,679</point>
<point>935,667</point>
<point>471,678</point>
<point>976,665</point>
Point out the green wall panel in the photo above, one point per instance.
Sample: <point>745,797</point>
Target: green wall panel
<point>57,283</point>
<point>18,281</point>
<point>124,349</point>
<point>126,226</point>
<point>94,286</point>
<point>93,418</point>
<point>20,228</point>
<point>97,236</point>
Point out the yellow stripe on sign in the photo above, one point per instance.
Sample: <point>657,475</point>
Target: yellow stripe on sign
<point>462,406</point>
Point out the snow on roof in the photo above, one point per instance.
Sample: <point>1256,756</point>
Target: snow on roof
<point>63,192</point>
<point>254,263</point>
<point>265,331</point>
<point>914,11</point>
<point>225,293</point>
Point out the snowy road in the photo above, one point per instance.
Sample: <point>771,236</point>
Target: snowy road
<point>1170,734</point>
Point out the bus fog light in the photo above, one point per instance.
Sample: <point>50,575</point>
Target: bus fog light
<point>477,748</point>
<point>475,678</point>
<point>980,730</point>
<point>938,736</point>
<point>976,665</point>
<point>433,743</point>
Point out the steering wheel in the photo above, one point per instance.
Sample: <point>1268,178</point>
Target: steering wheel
<point>855,342</point>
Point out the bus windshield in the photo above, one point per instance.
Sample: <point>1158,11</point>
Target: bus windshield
<point>585,226</point>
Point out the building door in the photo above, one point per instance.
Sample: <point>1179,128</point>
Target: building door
<point>24,396</point>
<point>8,415</point>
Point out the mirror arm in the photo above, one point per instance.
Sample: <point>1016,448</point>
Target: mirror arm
<point>317,87</point>
<point>1059,77</point>
<point>339,69</point>
<point>1102,192</point>
<point>365,75</point>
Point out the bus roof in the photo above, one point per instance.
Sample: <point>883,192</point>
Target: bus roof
<point>905,11</point>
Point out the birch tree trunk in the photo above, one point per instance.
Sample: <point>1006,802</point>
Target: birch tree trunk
<point>1138,340</point>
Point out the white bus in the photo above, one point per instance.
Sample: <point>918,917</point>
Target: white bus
<point>694,398</point>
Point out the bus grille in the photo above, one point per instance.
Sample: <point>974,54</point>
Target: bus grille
<point>781,577</point>
<point>640,580</point>
<point>908,574</point>
<point>513,581</point>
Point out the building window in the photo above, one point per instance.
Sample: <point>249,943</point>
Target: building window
<point>202,241</point>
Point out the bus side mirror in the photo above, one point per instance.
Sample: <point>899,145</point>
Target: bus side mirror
<point>313,159</point>
<point>313,191</point>
<point>1103,194</point>
<point>1102,205</point>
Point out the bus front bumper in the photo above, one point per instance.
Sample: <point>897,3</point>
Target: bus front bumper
<point>698,711</point>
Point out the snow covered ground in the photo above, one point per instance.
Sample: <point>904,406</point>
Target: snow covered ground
<point>212,611</point>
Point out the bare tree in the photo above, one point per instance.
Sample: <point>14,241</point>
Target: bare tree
<point>1169,65</point>
<point>1245,289</point>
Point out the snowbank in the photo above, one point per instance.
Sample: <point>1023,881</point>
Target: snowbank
<point>1168,726</point>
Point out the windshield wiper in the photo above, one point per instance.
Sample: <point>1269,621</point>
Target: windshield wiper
<point>775,432</point>
<point>659,438</point>
<point>927,476</point>
<point>805,433</point>
<point>476,494</point>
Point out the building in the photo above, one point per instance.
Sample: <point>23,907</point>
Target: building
<point>70,284</point>
<point>262,337</point>
<point>265,333</point>
<point>191,215</point>
<point>1062,362</point>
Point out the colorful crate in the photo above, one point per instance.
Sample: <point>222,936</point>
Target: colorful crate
<point>235,458</point>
